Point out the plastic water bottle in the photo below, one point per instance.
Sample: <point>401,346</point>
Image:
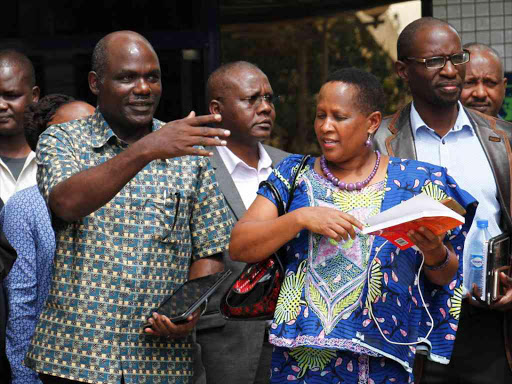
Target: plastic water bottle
<point>478,257</point>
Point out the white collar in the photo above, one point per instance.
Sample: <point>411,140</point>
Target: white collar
<point>461,122</point>
<point>231,161</point>
<point>30,158</point>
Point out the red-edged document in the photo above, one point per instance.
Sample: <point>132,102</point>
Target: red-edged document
<point>421,210</point>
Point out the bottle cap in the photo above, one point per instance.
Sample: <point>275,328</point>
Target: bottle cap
<point>482,223</point>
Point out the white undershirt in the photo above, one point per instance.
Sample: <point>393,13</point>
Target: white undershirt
<point>27,178</point>
<point>246,178</point>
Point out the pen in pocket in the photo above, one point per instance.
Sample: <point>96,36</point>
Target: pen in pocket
<point>176,210</point>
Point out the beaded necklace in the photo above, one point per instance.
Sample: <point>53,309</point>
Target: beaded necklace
<point>348,186</point>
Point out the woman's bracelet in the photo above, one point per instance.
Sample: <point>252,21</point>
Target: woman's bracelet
<point>441,265</point>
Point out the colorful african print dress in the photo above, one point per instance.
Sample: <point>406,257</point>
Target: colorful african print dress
<point>322,329</point>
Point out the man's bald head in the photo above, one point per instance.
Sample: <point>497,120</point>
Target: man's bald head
<point>485,83</point>
<point>127,82</point>
<point>479,49</point>
<point>241,93</point>
<point>11,58</point>
<point>407,38</point>
<point>100,53</point>
<point>222,78</point>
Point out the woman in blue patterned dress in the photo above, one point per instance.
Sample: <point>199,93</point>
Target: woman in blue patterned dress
<point>351,308</point>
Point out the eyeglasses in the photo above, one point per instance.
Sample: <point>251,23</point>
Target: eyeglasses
<point>438,62</point>
<point>256,100</point>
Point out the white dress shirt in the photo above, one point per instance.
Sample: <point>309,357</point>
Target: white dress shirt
<point>27,178</point>
<point>462,154</point>
<point>246,178</point>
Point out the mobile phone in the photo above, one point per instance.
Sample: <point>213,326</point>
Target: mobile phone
<point>498,260</point>
<point>189,297</point>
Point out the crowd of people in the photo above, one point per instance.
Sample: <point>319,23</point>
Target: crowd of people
<point>108,211</point>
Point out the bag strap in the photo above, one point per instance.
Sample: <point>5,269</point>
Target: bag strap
<point>277,196</point>
<point>294,183</point>
<point>281,208</point>
<point>280,212</point>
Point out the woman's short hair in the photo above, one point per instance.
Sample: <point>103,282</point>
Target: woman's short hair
<point>370,97</point>
<point>38,115</point>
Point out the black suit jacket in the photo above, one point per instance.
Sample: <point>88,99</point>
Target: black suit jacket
<point>231,350</point>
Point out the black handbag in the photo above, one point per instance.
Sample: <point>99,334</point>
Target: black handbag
<point>254,294</point>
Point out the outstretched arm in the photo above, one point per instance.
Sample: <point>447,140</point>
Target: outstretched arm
<point>88,190</point>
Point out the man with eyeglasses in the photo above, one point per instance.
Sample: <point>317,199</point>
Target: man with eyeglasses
<point>475,148</point>
<point>238,352</point>
<point>485,84</point>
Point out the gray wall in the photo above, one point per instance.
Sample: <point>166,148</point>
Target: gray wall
<point>482,21</point>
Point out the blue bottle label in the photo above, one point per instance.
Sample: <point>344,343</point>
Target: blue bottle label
<point>477,261</point>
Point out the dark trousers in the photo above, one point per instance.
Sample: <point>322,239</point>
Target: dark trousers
<point>263,372</point>
<point>234,354</point>
<point>479,355</point>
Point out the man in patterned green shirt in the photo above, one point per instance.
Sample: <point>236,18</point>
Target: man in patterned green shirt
<point>138,213</point>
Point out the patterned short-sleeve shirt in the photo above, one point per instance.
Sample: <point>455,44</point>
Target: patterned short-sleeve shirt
<point>116,265</point>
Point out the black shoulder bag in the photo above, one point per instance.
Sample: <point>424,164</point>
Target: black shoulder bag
<point>254,294</point>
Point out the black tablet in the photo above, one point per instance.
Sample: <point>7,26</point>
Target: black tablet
<point>498,260</point>
<point>189,297</point>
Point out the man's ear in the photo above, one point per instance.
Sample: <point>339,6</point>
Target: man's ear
<point>35,94</point>
<point>505,80</point>
<point>401,70</point>
<point>374,120</point>
<point>215,107</point>
<point>94,82</point>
